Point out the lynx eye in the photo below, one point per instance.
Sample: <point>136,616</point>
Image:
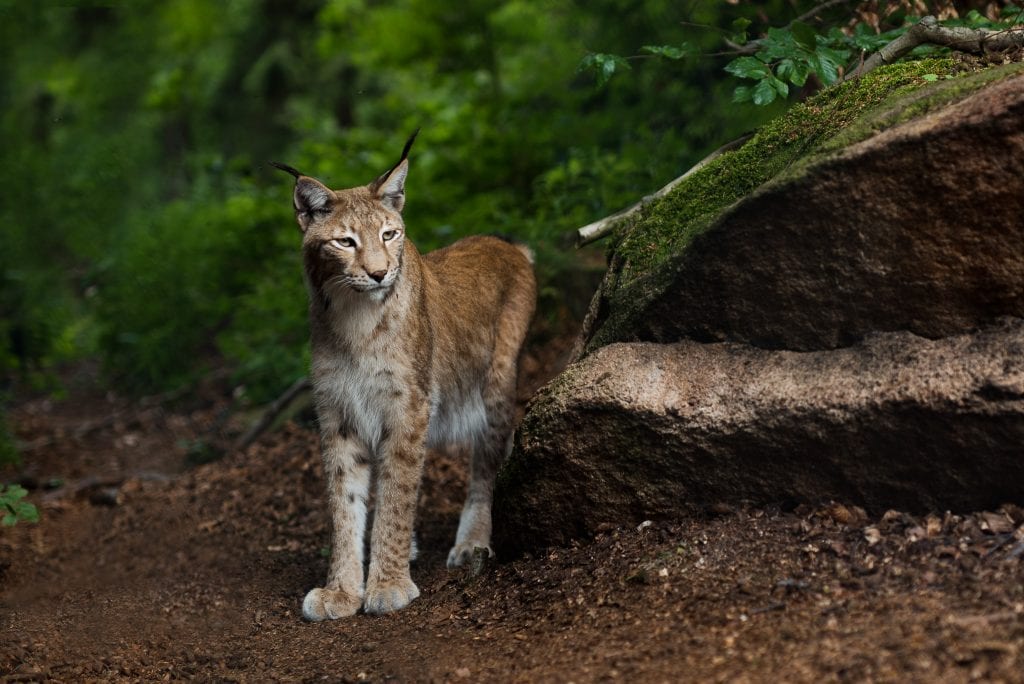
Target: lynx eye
<point>388,235</point>
<point>343,243</point>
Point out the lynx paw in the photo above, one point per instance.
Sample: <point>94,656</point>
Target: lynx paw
<point>384,597</point>
<point>463,553</point>
<point>329,604</point>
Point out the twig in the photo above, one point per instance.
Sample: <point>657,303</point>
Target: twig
<point>777,605</point>
<point>102,481</point>
<point>821,7</point>
<point>602,227</point>
<point>1001,541</point>
<point>928,30</point>
<point>753,46</point>
<point>273,411</point>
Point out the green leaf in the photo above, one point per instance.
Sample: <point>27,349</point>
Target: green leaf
<point>740,26</point>
<point>669,51</point>
<point>778,44</point>
<point>603,65</point>
<point>742,94</point>
<point>805,36</point>
<point>781,88</point>
<point>826,61</point>
<point>13,493</point>
<point>28,512</point>
<point>747,67</point>
<point>15,509</point>
<point>930,77</point>
<point>792,71</point>
<point>764,92</point>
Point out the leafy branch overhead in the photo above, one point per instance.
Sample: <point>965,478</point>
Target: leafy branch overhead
<point>788,56</point>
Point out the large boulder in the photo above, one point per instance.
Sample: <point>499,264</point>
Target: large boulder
<point>823,299</point>
<point>915,228</point>
<point>645,430</point>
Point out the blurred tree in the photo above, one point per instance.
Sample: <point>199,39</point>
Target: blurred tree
<point>142,224</point>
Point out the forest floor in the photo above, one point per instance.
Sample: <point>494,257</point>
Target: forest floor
<point>147,568</point>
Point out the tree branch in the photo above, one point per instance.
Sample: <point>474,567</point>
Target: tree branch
<point>602,227</point>
<point>753,46</point>
<point>928,31</point>
<point>273,411</point>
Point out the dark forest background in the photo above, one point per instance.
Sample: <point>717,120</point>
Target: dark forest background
<point>142,227</point>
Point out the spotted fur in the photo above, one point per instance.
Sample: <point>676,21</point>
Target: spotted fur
<point>408,351</point>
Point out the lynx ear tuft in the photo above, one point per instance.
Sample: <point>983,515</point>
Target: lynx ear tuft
<point>390,187</point>
<point>286,168</point>
<point>310,197</point>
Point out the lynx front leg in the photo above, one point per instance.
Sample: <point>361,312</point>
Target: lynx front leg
<point>347,468</point>
<point>389,585</point>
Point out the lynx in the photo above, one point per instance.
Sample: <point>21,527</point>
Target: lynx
<point>409,351</point>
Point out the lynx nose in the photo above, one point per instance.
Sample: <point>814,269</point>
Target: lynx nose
<point>378,275</point>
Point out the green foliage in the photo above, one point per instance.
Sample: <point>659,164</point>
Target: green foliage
<point>142,225</point>
<point>788,56</point>
<point>670,51</point>
<point>605,65</point>
<point>13,508</point>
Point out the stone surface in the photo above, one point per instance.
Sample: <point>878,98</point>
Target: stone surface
<point>917,228</point>
<point>637,431</point>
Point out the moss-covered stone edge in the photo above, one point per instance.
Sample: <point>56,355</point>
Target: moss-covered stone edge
<point>832,120</point>
<point>646,257</point>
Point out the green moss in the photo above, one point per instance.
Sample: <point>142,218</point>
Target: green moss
<point>908,107</point>
<point>646,257</point>
<point>833,119</point>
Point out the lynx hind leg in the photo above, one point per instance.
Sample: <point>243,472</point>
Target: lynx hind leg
<point>347,467</point>
<point>495,442</point>
<point>475,521</point>
<point>488,452</point>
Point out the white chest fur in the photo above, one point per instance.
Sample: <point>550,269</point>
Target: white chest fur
<point>359,374</point>
<point>362,390</point>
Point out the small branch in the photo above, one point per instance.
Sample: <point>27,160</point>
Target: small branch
<point>928,31</point>
<point>271,414</point>
<point>816,10</point>
<point>600,228</point>
<point>755,45</point>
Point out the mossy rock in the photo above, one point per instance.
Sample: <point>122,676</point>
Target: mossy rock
<point>892,202</point>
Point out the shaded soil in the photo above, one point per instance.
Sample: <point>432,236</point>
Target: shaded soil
<point>144,569</point>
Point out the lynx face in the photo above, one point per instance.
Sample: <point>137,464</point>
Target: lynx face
<point>353,239</point>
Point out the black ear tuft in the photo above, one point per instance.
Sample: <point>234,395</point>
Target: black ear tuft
<point>390,187</point>
<point>310,196</point>
<point>287,169</point>
<point>408,146</point>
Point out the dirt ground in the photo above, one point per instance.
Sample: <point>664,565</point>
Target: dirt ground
<point>146,568</point>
